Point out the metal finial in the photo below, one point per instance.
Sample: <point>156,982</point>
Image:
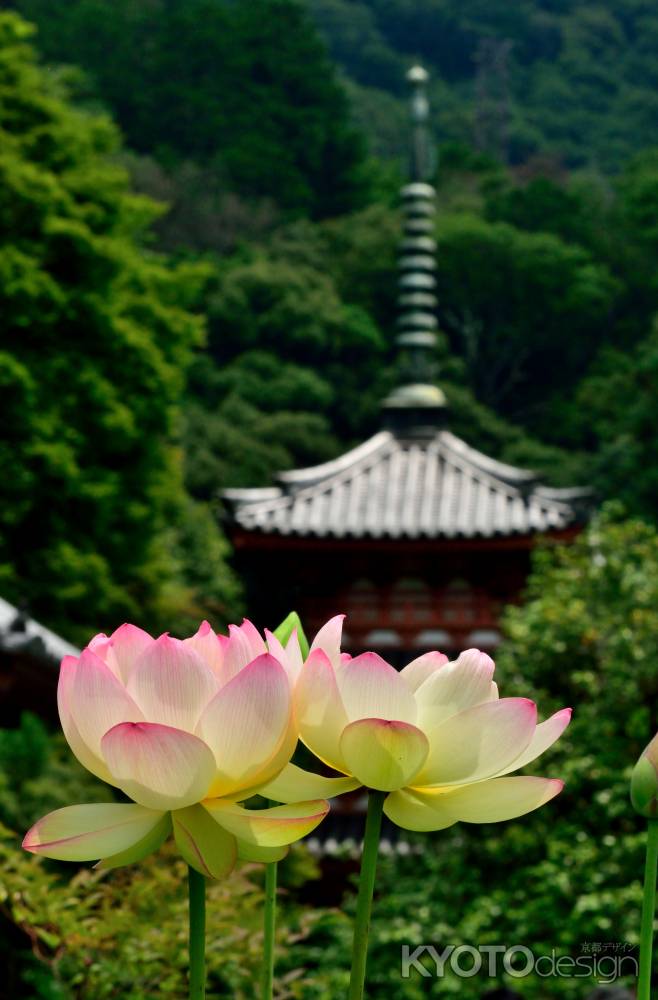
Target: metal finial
<point>418,74</point>
<point>416,394</point>
<point>421,153</point>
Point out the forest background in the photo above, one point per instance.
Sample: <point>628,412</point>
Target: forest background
<point>198,231</point>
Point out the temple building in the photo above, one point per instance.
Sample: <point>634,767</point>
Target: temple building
<point>30,655</point>
<point>418,537</point>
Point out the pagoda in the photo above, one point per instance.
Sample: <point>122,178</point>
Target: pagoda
<point>417,536</point>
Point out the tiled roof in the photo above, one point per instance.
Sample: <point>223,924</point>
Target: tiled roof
<point>20,633</point>
<point>394,486</point>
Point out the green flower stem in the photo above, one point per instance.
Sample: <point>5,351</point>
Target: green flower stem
<point>197,895</point>
<point>269,926</point>
<point>366,887</point>
<point>648,912</point>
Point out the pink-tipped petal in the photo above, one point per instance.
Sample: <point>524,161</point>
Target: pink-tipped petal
<point>371,688</point>
<point>479,742</point>
<point>320,712</point>
<point>383,755</point>
<point>245,724</point>
<point>96,701</point>
<point>458,685</point>
<point>295,658</point>
<point>88,759</point>
<point>237,654</point>
<point>275,649</point>
<point>544,737</point>
<point>127,643</point>
<point>329,639</point>
<point>273,827</point>
<point>290,656</point>
<point>209,646</point>
<point>205,845</point>
<point>101,645</point>
<point>88,832</point>
<point>416,672</point>
<point>501,799</point>
<point>171,684</point>
<point>158,766</point>
<point>254,639</point>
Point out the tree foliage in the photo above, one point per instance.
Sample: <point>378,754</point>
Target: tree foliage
<point>247,88</point>
<point>575,82</point>
<point>96,337</point>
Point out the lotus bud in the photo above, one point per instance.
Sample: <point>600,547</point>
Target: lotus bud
<point>644,781</point>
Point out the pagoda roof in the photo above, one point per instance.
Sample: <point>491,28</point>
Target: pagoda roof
<point>397,485</point>
<point>21,634</point>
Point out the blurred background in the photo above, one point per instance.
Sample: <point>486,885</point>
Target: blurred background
<point>238,371</point>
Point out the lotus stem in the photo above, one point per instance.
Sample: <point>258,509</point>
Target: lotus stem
<point>197,896</point>
<point>366,887</point>
<point>269,927</point>
<point>648,912</point>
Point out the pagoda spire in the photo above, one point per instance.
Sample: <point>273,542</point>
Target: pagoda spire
<point>416,400</point>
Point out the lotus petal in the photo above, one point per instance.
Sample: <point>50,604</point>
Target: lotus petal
<point>458,685</point>
<point>501,798</point>
<point>245,724</point>
<point>88,832</point>
<point>382,754</point>
<point>293,784</point>
<point>158,766</point>
<point>329,638</point>
<point>96,700</point>
<point>206,847</point>
<point>127,643</point>
<point>371,688</point>
<point>413,811</point>
<point>265,855</point>
<point>88,759</point>
<point>273,827</point>
<point>417,672</point>
<point>209,646</point>
<point>479,742</point>
<point>147,845</point>
<point>544,737</point>
<point>320,712</point>
<point>171,684</point>
<point>238,652</point>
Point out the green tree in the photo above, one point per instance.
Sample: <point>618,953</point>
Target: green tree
<point>247,88</point>
<point>577,83</point>
<point>620,399</point>
<point>96,336</point>
<point>526,311</point>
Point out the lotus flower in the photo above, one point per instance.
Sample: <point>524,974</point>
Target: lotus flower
<point>435,736</point>
<point>187,730</point>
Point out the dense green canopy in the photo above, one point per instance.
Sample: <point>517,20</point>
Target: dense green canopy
<point>96,336</point>
<point>246,87</point>
<point>573,82</point>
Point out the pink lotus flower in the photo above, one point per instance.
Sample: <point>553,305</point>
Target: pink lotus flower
<point>187,730</point>
<point>435,736</point>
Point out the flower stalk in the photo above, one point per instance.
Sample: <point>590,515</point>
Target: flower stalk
<point>269,928</point>
<point>648,912</point>
<point>197,897</point>
<point>366,887</point>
